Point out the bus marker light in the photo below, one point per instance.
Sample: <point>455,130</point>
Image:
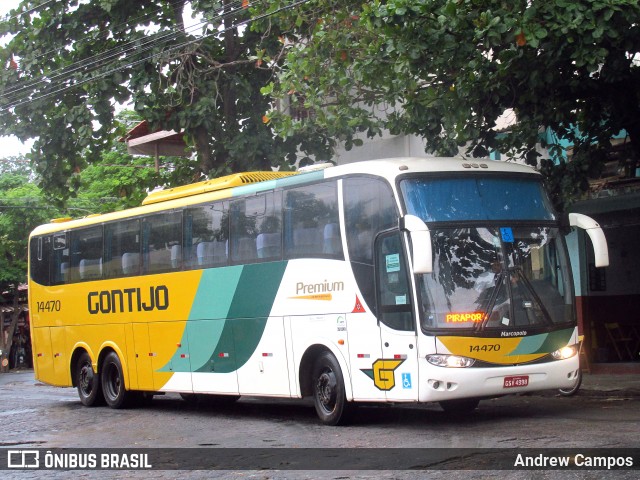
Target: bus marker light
<point>223,355</point>
<point>55,355</point>
<point>178,345</point>
<point>340,342</point>
<point>398,356</point>
<point>184,355</point>
<point>364,355</point>
<point>152,354</point>
<point>265,354</point>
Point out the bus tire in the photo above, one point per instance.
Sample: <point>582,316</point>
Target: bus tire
<point>112,378</point>
<point>460,405</point>
<point>329,396</point>
<point>88,382</point>
<point>573,389</point>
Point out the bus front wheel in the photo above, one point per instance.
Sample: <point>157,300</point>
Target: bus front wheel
<point>113,388</point>
<point>329,392</point>
<point>87,382</point>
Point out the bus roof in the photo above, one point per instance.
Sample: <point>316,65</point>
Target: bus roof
<point>250,182</point>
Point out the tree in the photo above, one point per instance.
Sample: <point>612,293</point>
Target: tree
<point>447,69</point>
<point>22,208</point>
<point>70,63</point>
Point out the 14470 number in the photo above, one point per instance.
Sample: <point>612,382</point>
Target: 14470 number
<point>50,306</point>
<point>484,348</point>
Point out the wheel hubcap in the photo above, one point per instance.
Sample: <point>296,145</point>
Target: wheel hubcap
<point>326,390</point>
<point>114,381</point>
<point>86,379</point>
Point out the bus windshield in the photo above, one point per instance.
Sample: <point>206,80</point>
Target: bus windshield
<point>476,198</point>
<point>487,279</point>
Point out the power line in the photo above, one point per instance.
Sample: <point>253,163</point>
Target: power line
<point>122,49</point>
<point>115,52</point>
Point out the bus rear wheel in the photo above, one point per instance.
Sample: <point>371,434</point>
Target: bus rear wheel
<point>87,382</point>
<point>113,388</point>
<point>329,396</point>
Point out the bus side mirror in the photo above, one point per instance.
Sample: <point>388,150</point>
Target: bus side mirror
<point>589,225</point>
<point>418,231</point>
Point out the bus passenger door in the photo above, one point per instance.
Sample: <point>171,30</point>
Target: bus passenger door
<point>397,371</point>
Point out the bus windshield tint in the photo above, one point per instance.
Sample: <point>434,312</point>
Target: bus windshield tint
<point>480,281</point>
<point>437,199</point>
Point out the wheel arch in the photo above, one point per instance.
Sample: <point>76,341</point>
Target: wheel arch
<point>305,368</point>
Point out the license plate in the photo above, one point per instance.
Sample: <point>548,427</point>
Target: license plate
<point>516,381</point>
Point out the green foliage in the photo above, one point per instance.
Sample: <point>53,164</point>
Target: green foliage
<point>70,63</point>
<point>447,69</point>
<point>22,208</point>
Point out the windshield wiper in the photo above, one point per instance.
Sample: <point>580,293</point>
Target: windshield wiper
<point>498,282</point>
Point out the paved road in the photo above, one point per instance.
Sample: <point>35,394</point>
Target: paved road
<point>35,415</point>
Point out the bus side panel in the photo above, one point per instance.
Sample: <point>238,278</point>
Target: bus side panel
<point>327,330</point>
<point>131,357</point>
<point>266,371</point>
<point>141,347</point>
<point>213,358</point>
<point>61,371</point>
<point>169,355</point>
<point>42,356</point>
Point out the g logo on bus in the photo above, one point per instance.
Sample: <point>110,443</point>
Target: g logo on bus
<point>382,373</point>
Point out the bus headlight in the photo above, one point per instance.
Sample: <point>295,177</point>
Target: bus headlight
<point>565,352</point>
<point>452,361</point>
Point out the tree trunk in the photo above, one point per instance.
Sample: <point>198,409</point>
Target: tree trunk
<point>7,337</point>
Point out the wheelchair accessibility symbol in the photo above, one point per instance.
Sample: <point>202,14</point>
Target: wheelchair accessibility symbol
<point>406,380</point>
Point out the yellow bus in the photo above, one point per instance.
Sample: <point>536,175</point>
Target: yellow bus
<point>400,280</point>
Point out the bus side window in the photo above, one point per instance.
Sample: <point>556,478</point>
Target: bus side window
<point>122,248</point>
<point>394,296</point>
<point>243,229</point>
<point>86,254</point>
<point>160,233</point>
<point>205,240</point>
<point>311,223</point>
<point>60,260</point>
<point>40,255</point>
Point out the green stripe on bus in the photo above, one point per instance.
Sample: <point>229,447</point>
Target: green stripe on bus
<point>229,315</point>
<point>543,343</point>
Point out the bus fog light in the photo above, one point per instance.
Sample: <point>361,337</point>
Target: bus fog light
<point>565,352</point>
<point>452,361</point>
